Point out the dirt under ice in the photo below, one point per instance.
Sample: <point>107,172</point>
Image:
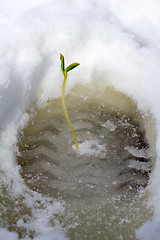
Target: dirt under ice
<point>104,184</point>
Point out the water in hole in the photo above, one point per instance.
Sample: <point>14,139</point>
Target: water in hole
<point>103,185</point>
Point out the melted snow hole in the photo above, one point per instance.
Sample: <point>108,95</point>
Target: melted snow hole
<point>103,184</point>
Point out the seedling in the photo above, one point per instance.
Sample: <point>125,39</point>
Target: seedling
<point>64,71</point>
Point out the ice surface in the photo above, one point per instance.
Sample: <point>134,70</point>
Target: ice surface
<point>109,125</point>
<point>116,42</point>
<point>141,153</point>
<point>92,148</point>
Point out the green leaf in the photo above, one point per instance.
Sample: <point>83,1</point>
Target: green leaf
<point>71,66</point>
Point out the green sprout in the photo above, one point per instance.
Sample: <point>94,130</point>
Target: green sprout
<point>64,71</point>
